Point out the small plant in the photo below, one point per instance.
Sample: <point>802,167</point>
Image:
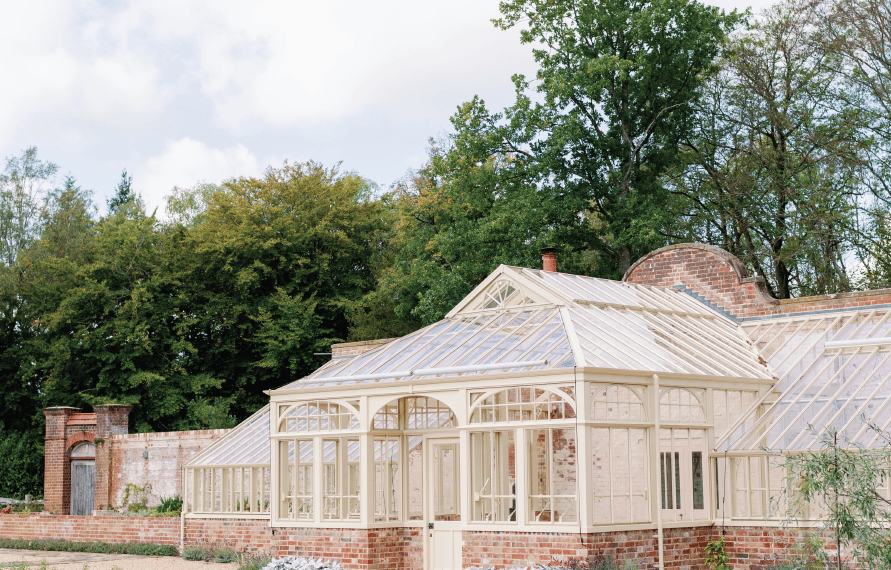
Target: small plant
<point>58,545</point>
<point>136,498</point>
<point>716,557</point>
<point>225,556</point>
<point>253,560</point>
<point>193,553</point>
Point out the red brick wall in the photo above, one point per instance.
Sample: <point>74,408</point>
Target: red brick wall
<point>722,279</point>
<point>683,548</point>
<point>751,548</point>
<point>167,452</point>
<point>156,530</point>
<point>371,549</point>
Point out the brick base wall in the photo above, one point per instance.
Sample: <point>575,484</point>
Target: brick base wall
<point>683,548</point>
<point>750,548</point>
<point>116,530</point>
<point>374,549</point>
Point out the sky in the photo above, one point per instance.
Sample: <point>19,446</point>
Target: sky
<point>188,91</point>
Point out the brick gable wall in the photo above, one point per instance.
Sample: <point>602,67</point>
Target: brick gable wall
<point>720,279</point>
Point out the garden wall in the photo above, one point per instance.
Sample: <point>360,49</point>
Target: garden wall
<point>156,530</point>
<point>166,453</point>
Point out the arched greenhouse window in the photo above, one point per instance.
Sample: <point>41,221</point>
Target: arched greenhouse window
<point>616,403</point>
<point>318,416</point>
<point>682,406</point>
<point>414,412</point>
<point>522,404</point>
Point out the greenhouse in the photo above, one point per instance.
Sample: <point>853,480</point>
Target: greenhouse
<point>551,405</point>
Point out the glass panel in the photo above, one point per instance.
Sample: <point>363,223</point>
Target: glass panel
<point>522,405</point>
<point>620,475</point>
<point>681,406</point>
<point>493,476</point>
<point>698,498</point>
<point>616,404</point>
<point>415,476</point>
<point>314,417</point>
<point>387,479</point>
<point>552,475</point>
<point>340,479</point>
<point>445,471</point>
<point>296,460</point>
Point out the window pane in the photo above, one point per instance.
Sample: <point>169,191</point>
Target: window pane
<point>492,477</point>
<point>698,499</point>
<point>552,475</point>
<point>387,479</point>
<point>446,470</point>
<point>415,475</point>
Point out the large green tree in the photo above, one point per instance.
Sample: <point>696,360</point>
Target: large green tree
<point>772,170</point>
<point>617,84</point>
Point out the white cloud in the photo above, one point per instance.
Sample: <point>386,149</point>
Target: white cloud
<point>186,162</point>
<point>59,79</point>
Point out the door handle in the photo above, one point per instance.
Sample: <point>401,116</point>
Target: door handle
<point>430,526</point>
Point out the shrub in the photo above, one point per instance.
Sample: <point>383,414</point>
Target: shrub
<point>193,553</point>
<point>21,465</point>
<point>59,545</point>
<point>225,556</point>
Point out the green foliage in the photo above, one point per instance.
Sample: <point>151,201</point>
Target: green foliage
<point>225,556</point>
<point>135,498</point>
<point>253,560</point>
<point>123,195</point>
<point>716,557</point>
<point>58,545</point>
<point>193,553</point>
<point>21,464</point>
<point>844,479</point>
<point>619,81</point>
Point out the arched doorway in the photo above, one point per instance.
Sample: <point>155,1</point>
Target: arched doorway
<point>417,473</point>
<point>83,478</point>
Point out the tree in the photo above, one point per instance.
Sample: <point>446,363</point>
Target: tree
<point>844,479</point>
<point>21,193</point>
<point>619,81</point>
<point>772,170</point>
<point>271,270</point>
<point>123,195</point>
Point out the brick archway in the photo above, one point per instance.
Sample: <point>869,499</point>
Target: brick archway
<point>76,438</point>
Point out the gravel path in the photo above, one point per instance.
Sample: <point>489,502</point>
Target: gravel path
<point>82,560</point>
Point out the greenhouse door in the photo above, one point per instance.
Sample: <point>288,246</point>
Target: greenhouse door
<point>443,518</point>
<point>681,481</point>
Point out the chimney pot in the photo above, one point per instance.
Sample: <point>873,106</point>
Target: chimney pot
<point>549,259</point>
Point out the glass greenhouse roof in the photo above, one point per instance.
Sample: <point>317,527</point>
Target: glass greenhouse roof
<point>247,444</point>
<point>834,377</point>
<point>524,319</point>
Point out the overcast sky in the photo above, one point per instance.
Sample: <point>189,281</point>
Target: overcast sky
<point>179,92</point>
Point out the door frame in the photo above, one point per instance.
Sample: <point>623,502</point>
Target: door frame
<point>431,525</point>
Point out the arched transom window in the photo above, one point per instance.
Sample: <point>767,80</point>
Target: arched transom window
<point>616,403</point>
<point>309,417</point>
<point>681,406</point>
<point>523,404</point>
<point>414,412</point>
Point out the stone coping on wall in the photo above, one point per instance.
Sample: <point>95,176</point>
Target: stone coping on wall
<point>170,434</point>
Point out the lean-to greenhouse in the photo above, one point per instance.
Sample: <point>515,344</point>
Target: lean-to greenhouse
<point>550,414</point>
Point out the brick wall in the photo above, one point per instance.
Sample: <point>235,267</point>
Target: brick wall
<point>683,548</point>
<point>167,452</point>
<point>722,279</point>
<point>361,549</point>
<point>156,530</point>
<point>752,548</point>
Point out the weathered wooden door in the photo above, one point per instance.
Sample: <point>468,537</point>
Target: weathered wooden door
<point>83,478</point>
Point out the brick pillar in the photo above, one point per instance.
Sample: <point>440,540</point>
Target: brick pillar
<point>111,420</point>
<point>57,469</point>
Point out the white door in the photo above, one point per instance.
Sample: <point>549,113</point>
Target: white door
<point>443,513</point>
<point>682,482</point>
